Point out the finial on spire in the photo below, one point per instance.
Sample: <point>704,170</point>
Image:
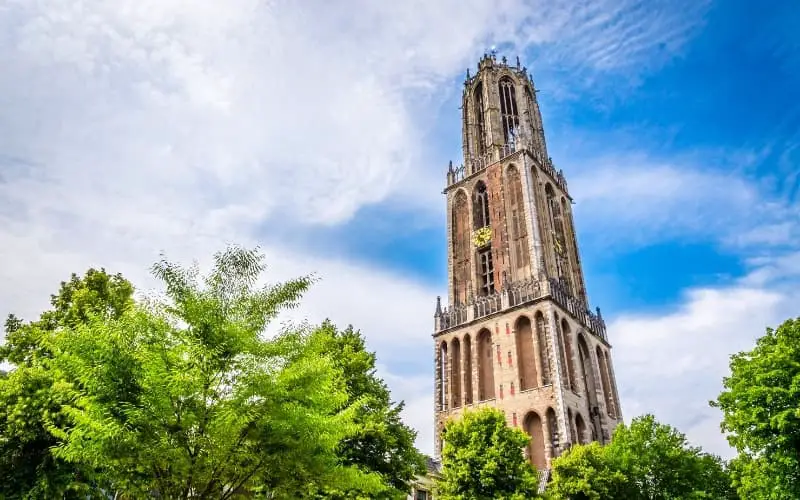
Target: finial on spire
<point>517,62</point>
<point>438,306</point>
<point>450,167</point>
<point>468,77</point>
<point>505,61</point>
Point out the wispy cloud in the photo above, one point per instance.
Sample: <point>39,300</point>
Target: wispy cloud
<point>137,126</point>
<point>635,199</point>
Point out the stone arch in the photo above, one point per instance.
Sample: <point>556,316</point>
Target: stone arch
<point>536,445</point>
<point>480,205</point>
<point>467,370</point>
<point>552,429</point>
<point>590,384</point>
<point>572,429</point>
<point>558,236</point>
<point>455,371</point>
<point>601,361</point>
<point>566,331</point>
<point>462,247</point>
<point>480,121</point>
<point>526,355</point>
<point>541,339</point>
<point>580,428</point>
<point>444,376</point>
<point>509,112</point>
<point>485,366</point>
<point>516,220</point>
<point>562,352</point>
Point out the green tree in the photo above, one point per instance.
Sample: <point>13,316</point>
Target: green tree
<point>28,469</point>
<point>646,460</point>
<point>588,472</point>
<point>482,459</point>
<point>186,398</point>
<point>761,412</point>
<point>383,444</point>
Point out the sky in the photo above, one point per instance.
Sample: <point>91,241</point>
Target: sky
<point>320,132</point>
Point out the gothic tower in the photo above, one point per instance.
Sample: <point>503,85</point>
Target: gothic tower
<point>518,334</point>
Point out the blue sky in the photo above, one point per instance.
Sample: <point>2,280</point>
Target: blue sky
<point>322,133</point>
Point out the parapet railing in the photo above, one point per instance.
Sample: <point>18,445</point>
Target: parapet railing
<point>475,164</point>
<point>516,294</point>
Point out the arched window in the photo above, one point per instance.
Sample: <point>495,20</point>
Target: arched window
<point>443,377</point>
<point>509,113</point>
<point>544,358</point>
<point>558,237</point>
<point>467,370</point>
<point>519,232</point>
<point>461,247</point>
<point>580,428</point>
<point>589,376</point>
<point>485,366</point>
<point>480,127</point>
<point>552,429</point>
<point>526,358</point>
<point>573,432</point>
<point>455,372</point>
<point>534,428</point>
<point>568,352</point>
<point>481,206</point>
<point>604,378</point>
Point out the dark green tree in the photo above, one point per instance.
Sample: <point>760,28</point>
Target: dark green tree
<point>761,407</point>
<point>482,459</point>
<point>28,468</point>
<point>383,444</point>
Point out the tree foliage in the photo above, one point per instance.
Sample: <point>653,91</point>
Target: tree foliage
<point>761,407</point>
<point>382,444</point>
<point>646,460</point>
<point>186,398</point>
<point>482,459</point>
<point>185,395</point>
<point>28,469</point>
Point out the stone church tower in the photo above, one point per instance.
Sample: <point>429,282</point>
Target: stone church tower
<point>518,334</point>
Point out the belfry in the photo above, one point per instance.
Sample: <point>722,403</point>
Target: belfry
<point>518,333</point>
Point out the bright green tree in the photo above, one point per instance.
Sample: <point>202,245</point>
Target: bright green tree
<point>761,407</point>
<point>185,397</point>
<point>28,468</point>
<point>588,472</point>
<point>383,444</point>
<point>483,459</point>
<point>646,460</point>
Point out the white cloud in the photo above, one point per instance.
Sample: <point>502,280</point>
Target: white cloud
<point>672,364</point>
<point>692,197</point>
<point>130,127</point>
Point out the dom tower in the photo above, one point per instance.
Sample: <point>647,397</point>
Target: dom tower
<point>518,333</point>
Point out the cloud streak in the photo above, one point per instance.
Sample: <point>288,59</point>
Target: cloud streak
<point>138,126</point>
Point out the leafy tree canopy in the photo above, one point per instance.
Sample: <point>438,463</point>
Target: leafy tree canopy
<point>28,469</point>
<point>761,407</point>
<point>646,460</point>
<point>186,398</point>
<point>383,444</point>
<point>482,459</point>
